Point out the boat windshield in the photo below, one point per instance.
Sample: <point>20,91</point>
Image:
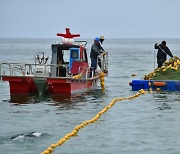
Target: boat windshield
<point>65,54</point>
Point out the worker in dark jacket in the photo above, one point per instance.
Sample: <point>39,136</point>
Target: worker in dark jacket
<point>163,51</point>
<point>96,50</point>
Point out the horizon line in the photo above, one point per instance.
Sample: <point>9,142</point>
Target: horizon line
<point>92,38</point>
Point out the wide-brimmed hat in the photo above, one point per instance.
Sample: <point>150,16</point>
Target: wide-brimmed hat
<point>102,37</point>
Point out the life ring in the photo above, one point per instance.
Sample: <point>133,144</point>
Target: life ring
<point>159,84</point>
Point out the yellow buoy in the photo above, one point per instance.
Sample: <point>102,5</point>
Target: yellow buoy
<point>102,74</point>
<point>133,74</point>
<point>158,89</point>
<point>164,70</point>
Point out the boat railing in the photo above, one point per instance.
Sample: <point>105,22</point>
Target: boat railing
<point>11,69</point>
<point>84,71</point>
<point>56,70</point>
<point>19,69</point>
<point>36,70</point>
<point>46,70</point>
<point>103,59</point>
<point>83,43</point>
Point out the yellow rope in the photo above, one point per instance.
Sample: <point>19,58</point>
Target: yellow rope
<point>74,132</point>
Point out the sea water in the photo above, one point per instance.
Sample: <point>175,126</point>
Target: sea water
<point>148,124</point>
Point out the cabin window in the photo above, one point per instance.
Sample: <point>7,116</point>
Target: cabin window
<point>74,54</point>
<point>65,56</point>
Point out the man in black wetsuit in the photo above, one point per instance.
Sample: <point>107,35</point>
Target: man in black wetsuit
<point>163,51</point>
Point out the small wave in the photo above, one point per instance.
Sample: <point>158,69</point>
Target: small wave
<point>23,136</point>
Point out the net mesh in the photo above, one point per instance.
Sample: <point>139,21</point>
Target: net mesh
<point>169,71</point>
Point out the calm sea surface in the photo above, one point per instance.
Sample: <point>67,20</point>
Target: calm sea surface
<point>149,124</point>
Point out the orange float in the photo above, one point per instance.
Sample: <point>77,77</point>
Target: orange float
<point>159,84</point>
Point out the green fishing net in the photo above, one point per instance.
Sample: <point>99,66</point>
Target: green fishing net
<point>169,71</point>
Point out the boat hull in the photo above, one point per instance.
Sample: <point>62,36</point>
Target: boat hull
<point>21,85</point>
<point>56,85</point>
<point>70,86</point>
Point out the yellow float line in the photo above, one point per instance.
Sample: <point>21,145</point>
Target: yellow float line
<point>74,132</point>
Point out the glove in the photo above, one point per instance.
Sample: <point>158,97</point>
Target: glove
<point>156,46</point>
<point>176,57</point>
<point>103,53</point>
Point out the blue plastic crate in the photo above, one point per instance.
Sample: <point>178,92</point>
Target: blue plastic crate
<point>171,85</point>
<point>144,84</point>
<point>178,86</point>
<point>139,84</point>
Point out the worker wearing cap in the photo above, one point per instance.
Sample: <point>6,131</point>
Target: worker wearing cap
<point>96,50</point>
<point>163,51</point>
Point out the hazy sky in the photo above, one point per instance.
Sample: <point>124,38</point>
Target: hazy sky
<point>90,18</point>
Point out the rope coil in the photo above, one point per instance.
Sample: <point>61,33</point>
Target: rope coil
<point>74,132</point>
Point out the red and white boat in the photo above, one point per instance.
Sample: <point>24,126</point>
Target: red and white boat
<point>68,72</point>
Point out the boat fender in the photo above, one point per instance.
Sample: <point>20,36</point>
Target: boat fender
<point>67,41</point>
<point>159,84</point>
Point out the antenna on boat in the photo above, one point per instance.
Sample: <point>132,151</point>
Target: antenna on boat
<point>68,34</point>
